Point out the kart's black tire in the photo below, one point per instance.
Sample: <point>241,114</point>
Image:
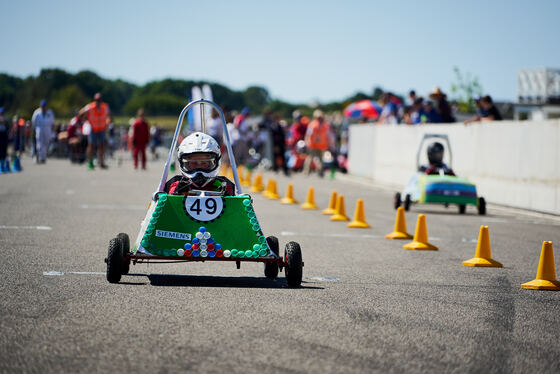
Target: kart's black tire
<point>294,264</point>
<point>397,200</point>
<point>407,202</point>
<point>114,261</point>
<point>271,268</point>
<point>481,206</point>
<point>125,245</point>
<point>462,208</point>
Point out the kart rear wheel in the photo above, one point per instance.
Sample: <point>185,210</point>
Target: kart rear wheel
<point>294,264</point>
<point>125,243</point>
<point>481,206</point>
<point>407,202</point>
<point>271,268</point>
<point>114,261</point>
<point>462,208</point>
<point>397,200</point>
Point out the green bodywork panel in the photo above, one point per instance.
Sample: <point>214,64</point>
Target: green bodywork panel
<point>168,226</point>
<point>445,189</point>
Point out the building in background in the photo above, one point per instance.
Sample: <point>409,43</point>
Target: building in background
<point>538,94</point>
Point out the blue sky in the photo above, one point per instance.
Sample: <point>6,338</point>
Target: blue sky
<point>301,51</point>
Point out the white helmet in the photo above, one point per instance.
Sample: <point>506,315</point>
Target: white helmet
<point>199,158</point>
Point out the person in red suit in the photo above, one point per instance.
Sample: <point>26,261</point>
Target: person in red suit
<point>140,138</point>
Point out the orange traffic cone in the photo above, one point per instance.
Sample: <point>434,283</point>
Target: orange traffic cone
<point>289,198</point>
<point>310,200</point>
<point>546,272</point>
<point>257,184</point>
<point>359,216</point>
<point>483,254</point>
<point>420,240</point>
<point>400,231</point>
<point>332,205</point>
<point>271,191</point>
<point>340,214</point>
<point>229,174</point>
<point>246,182</point>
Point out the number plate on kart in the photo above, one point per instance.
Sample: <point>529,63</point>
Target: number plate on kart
<point>204,208</point>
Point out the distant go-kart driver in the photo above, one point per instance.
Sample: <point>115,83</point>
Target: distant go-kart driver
<point>199,157</point>
<point>435,158</point>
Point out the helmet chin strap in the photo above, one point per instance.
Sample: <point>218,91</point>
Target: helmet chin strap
<point>200,180</point>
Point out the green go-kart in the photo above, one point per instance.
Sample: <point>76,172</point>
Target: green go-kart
<point>203,226</point>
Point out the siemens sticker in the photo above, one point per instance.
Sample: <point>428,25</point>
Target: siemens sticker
<point>173,235</point>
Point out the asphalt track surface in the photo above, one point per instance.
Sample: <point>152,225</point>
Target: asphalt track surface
<point>365,305</point>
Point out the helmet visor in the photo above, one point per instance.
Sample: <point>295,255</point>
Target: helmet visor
<point>204,162</point>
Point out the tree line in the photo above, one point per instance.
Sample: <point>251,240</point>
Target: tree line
<point>67,92</point>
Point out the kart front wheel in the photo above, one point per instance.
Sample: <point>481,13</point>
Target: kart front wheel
<point>481,206</point>
<point>462,208</point>
<point>125,245</point>
<point>397,200</point>
<point>294,264</point>
<point>407,202</point>
<point>271,268</point>
<point>114,261</point>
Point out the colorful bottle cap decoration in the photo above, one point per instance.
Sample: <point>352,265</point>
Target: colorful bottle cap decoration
<point>203,254</point>
<point>256,247</point>
<point>227,253</point>
<point>196,247</point>
<point>188,253</point>
<point>206,235</point>
<point>196,240</point>
<point>251,214</point>
<point>219,253</point>
<point>256,227</point>
<point>255,254</point>
<point>199,235</point>
<point>234,252</point>
<point>240,254</point>
<point>248,253</point>
<point>246,202</point>
<point>211,254</point>
<point>202,229</point>
<point>218,246</point>
<point>195,253</point>
<point>202,241</point>
<point>263,253</point>
<point>188,246</point>
<point>262,239</point>
<point>203,247</point>
<point>210,247</point>
<point>210,241</point>
<point>253,221</point>
<point>180,252</point>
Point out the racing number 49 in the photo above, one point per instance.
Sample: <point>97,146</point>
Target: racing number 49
<point>209,205</point>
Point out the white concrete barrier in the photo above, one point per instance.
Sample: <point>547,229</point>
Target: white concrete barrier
<point>512,163</point>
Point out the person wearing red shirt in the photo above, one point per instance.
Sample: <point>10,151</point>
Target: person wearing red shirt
<point>140,139</point>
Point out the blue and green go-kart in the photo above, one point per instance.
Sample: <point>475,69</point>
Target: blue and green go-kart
<point>203,226</point>
<point>439,188</point>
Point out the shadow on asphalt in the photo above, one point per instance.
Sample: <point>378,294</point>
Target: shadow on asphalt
<point>177,280</point>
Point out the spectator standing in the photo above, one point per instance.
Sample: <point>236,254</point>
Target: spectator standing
<point>4,135</point>
<point>278,135</point>
<point>443,107</point>
<point>318,140</point>
<point>155,137</point>
<point>480,112</point>
<point>389,111</point>
<point>140,138</point>
<point>242,141</point>
<point>215,129</point>
<point>429,113</point>
<point>491,112</point>
<point>43,121</point>
<point>98,115</point>
<point>417,111</point>
<point>298,128</point>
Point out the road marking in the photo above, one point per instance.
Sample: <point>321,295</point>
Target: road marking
<point>112,207</point>
<point>469,240</point>
<point>324,279</point>
<point>290,233</point>
<point>70,192</point>
<point>59,273</point>
<point>46,228</point>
